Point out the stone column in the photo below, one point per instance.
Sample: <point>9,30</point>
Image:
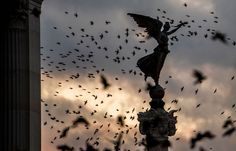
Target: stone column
<point>20,65</point>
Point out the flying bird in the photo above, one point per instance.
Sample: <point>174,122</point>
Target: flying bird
<point>104,82</point>
<point>107,22</point>
<point>228,123</point>
<point>174,101</point>
<point>198,106</point>
<point>219,36</point>
<point>64,132</point>
<point>233,105</point>
<point>232,78</point>
<point>65,148</point>
<point>90,148</point>
<point>201,136</point>
<point>120,120</point>
<point>76,15</point>
<point>80,120</point>
<point>198,75</point>
<point>229,132</point>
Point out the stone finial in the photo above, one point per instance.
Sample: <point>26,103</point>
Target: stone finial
<point>157,92</point>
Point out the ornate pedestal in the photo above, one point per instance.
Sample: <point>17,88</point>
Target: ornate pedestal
<point>157,124</point>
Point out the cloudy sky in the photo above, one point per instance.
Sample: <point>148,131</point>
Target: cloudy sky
<point>64,54</point>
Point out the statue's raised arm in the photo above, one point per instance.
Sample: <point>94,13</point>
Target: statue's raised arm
<point>176,28</point>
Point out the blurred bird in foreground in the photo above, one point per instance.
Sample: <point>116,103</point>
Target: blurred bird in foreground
<point>198,75</point>
<point>201,136</point>
<point>104,82</point>
<point>219,36</point>
<point>65,148</point>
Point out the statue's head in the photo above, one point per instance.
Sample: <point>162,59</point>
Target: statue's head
<point>166,26</point>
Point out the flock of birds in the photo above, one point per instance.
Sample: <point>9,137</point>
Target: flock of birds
<point>52,68</point>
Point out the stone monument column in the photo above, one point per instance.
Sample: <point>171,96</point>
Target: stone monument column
<point>156,123</point>
<point>20,71</point>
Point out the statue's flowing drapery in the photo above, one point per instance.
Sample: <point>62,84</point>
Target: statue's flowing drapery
<point>152,64</point>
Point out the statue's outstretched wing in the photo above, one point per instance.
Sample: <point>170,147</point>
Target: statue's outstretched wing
<point>152,26</point>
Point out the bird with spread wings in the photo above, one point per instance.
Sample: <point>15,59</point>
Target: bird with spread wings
<point>152,64</point>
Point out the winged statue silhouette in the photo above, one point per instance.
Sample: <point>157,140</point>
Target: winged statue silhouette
<point>152,64</point>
